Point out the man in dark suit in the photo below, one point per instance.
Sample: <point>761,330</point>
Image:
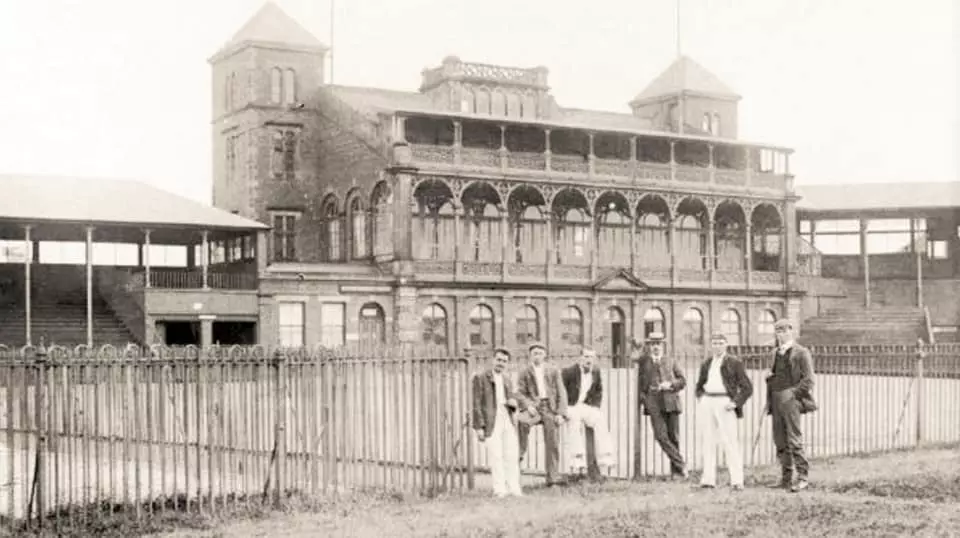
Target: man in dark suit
<point>494,406</point>
<point>722,389</point>
<point>542,393</point>
<point>584,389</point>
<point>658,382</point>
<point>789,395</point>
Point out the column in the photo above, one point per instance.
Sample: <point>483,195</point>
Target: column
<point>633,242</point>
<point>206,330</point>
<point>711,250</point>
<point>260,251</point>
<point>672,240</point>
<point>591,158</point>
<point>748,164</point>
<point>89,260</point>
<point>27,265</point>
<point>594,239</point>
<point>866,262</point>
<point>146,258</point>
<point>594,322</point>
<point>748,254</point>
<point>551,245</point>
<point>712,165</point>
<point>546,152</point>
<point>503,147</point>
<point>457,143</point>
<point>205,259</point>
<point>402,214</point>
<point>457,251</point>
<point>673,160</point>
<point>505,258</point>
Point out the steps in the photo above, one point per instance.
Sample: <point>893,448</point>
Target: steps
<point>865,326</point>
<point>63,324</point>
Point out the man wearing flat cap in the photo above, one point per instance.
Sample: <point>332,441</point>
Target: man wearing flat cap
<point>789,395</point>
<point>659,380</point>
<point>542,393</point>
<point>494,408</point>
<point>722,390</point>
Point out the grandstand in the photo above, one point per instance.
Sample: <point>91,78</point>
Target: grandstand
<point>96,262</point>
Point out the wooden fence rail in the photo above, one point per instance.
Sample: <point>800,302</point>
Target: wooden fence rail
<point>186,429</point>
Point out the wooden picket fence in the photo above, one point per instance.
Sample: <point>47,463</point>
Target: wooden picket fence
<point>187,429</point>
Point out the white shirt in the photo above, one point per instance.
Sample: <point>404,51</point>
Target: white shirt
<point>783,349</point>
<point>714,384</point>
<point>586,381</point>
<point>541,384</point>
<point>499,391</point>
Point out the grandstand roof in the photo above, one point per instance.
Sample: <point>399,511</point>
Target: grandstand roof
<point>878,196</point>
<point>39,199</point>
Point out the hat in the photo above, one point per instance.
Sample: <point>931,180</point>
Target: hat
<point>655,337</point>
<point>783,324</point>
<point>503,350</point>
<point>535,345</point>
<point>718,336</point>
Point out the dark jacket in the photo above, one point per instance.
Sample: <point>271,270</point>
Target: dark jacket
<point>573,376</point>
<point>649,374</point>
<point>800,371</point>
<point>735,380</point>
<point>484,401</point>
<point>527,389</point>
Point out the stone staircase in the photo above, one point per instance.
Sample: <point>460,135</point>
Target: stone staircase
<point>865,326</point>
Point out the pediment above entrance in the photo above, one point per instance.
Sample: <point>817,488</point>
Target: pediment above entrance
<point>619,280</point>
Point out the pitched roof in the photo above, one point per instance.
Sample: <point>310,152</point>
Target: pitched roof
<point>271,25</point>
<point>108,201</point>
<point>688,76</point>
<point>370,100</point>
<point>862,196</point>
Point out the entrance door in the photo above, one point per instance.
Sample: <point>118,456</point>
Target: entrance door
<point>617,336</point>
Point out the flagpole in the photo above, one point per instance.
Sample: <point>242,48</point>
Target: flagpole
<point>331,39</point>
<point>680,119</point>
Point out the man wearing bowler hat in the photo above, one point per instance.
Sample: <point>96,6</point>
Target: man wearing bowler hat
<point>789,395</point>
<point>659,380</point>
<point>542,393</point>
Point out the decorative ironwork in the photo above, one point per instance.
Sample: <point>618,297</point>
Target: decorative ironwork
<point>655,171</point>
<point>434,266</point>
<point>481,157</point>
<point>730,177</point>
<point>612,167</point>
<point>432,154</point>
<point>522,269</point>
<point>527,161</point>
<point>569,163</point>
<point>768,277</point>
<point>571,271</point>
<point>693,174</point>
<point>692,275</point>
<point>481,268</point>
<point>730,277</point>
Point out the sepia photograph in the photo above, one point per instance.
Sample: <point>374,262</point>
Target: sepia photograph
<point>464,268</point>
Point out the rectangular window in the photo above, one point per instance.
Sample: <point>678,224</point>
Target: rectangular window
<point>284,159</point>
<point>13,251</point>
<point>937,249</point>
<point>804,226</point>
<point>332,325</point>
<point>290,316</point>
<point>231,157</point>
<point>285,236</point>
<point>838,244</point>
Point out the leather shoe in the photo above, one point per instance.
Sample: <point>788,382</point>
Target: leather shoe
<point>800,485</point>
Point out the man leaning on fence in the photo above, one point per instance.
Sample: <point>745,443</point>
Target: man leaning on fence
<point>545,399</point>
<point>658,382</point>
<point>584,388</point>
<point>494,407</point>
<point>789,395</point>
<point>723,388</point>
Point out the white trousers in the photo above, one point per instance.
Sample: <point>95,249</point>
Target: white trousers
<point>718,427</point>
<point>503,455</point>
<point>581,415</point>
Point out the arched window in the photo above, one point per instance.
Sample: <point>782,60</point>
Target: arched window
<point>498,104</point>
<point>276,84</point>
<point>330,228</point>
<point>653,322</point>
<point>513,105</point>
<point>765,327</point>
<point>289,86</point>
<point>358,230</point>
<point>730,326</point>
<point>572,326</point>
<point>693,327</point>
<point>705,124</point>
<point>434,325</point>
<point>372,324</point>
<point>467,102</point>
<point>715,125</point>
<point>482,105</point>
<point>528,325</point>
<point>481,327</point>
<point>381,206</point>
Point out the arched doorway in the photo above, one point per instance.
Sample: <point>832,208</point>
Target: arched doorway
<point>617,336</point>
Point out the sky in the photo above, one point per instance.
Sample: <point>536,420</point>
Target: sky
<point>863,90</point>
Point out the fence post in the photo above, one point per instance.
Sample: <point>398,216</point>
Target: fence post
<point>921,396</point>
<point>280,370</point>
<point>468,435</point>
<point>40,395</point>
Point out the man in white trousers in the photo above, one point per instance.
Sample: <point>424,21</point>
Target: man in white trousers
<point>584,395</point>
<point>494,407</point>
<point>722,389</point>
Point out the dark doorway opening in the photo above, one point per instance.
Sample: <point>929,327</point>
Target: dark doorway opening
<point>234,333</point>
<point>181,333</point>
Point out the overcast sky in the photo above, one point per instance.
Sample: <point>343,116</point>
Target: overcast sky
<point>864,90</point>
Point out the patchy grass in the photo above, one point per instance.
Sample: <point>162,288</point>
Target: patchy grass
<point>897,494</point>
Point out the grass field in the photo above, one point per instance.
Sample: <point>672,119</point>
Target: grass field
<point>898,494</point>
